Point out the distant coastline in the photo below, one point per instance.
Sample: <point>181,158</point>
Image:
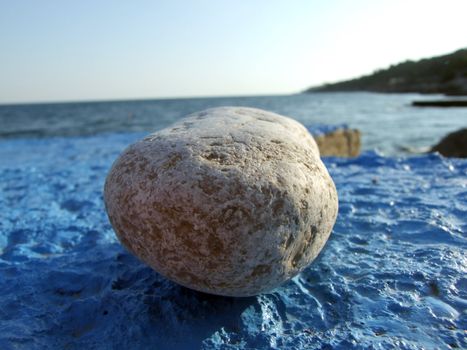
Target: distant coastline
<point>445,74</point>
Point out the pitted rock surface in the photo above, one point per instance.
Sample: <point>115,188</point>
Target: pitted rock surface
<point>230,201</point>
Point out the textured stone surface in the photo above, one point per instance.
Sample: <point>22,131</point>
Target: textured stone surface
<point>229,201</point>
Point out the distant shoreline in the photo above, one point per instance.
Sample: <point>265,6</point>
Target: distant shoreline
<point>445,75</point>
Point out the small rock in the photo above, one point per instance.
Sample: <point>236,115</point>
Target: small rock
<point>229,201</point>
<point>339,143</point>
<point>453,145</point>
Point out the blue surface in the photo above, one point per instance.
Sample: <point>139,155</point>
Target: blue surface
<point>392,275</point>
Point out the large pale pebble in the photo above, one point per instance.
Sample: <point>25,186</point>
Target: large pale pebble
<point>230,201</point>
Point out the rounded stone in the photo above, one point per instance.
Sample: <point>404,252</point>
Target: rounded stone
<point>230,201</point>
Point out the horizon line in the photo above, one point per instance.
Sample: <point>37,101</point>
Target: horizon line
<point>141,99</point>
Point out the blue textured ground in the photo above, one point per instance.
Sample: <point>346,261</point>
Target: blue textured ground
<point>393,274</point>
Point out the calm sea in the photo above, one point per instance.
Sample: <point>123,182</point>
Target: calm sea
<point>388,122</point>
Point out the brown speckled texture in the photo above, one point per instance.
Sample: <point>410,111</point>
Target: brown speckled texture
<point>230,201</point>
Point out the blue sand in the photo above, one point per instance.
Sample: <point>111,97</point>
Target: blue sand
<point>392,276</point>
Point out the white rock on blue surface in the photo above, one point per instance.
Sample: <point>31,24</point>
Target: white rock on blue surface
<point>230,201</point>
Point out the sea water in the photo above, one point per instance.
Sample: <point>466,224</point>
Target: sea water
<point>391,276</point>
<point>388,122</point>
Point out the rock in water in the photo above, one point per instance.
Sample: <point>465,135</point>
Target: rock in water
<point>229,201</point>
<point>453,145</point>
<point>339,143</point>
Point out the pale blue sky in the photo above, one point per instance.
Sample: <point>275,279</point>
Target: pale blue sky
<point>92,50</point>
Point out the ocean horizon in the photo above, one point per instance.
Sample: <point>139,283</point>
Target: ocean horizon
<point>388,122</point>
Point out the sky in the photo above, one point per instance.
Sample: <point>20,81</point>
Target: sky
<point>107,50</point>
